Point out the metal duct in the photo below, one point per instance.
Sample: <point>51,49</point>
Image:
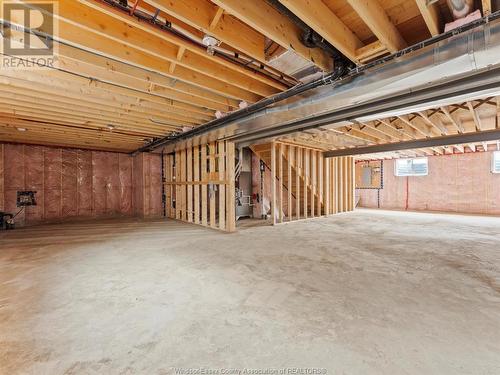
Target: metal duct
<point>461,67</point>
<point>460,8</point>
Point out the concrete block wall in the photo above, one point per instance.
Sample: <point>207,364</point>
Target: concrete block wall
<point>461,183</point>
<point>73,183</point>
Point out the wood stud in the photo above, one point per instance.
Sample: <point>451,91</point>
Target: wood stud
<point>320,186</point>
<point>200,187</point>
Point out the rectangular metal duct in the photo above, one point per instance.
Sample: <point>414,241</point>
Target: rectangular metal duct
<point>462,67</point>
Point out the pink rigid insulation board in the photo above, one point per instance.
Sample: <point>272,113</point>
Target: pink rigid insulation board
<point>76,183</point>
<point>455,183</point>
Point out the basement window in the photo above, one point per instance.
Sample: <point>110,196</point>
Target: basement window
<point>495,162</point>
<point>411,167</point>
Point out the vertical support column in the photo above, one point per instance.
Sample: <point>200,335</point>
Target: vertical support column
<point>290,177</point>
<point>167,183</point>
<point>2,179</point>
<point>327,168</point>
<point>177,185</point>
<point>189,165</point>
<point>321,199</point>
<point>212,186</point>
<point>280,161</point>
<point>306,181</point>
<point>273,182</point>
<point>222,186</point>
<point>353,183</point>
<point>183,185</point>
<point>231,188</point>
<point>343,181</point>
<point>204,186</point>
<point>196,177</point>
<point>298,172</point>
<point>314,185</point>
<point>338,166</point>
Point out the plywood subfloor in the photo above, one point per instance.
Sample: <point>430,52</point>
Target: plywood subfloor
<point>369,292</point>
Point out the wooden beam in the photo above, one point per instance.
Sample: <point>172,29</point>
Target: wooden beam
<point>196,178</point>
<point>486,7</point>
<point>281,182</point>
<point>456,124</point>
<point>191,48</point>
<point>402,129</point>
<point>422,130</point>
<point>204,187</point>
<point>475,117</point>
<point>81,26</point>
<point>431,15</point>
<point>375,17</point>
<point>222,187</point>
<point>199,14</point>
<point>290,180</point>
<point>322,20</point>
<point>268,21</point>
<point>298,173</point>
<point>212,153</point>
<point>231,188</point>
<point>437,125</point>
<point>273,183</point>
<point>371,51</point>
<point>216,18</point>
<point>306,171</point>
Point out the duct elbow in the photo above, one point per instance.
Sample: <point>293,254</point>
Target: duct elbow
<point>460,8</point>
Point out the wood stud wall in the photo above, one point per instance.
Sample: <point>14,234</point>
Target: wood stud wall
<point>320,186</point>
<point>200,185</point>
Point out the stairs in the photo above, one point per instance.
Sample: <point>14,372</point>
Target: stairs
<point>263,151</point>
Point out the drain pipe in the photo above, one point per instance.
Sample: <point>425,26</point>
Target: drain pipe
<point>309,37</point>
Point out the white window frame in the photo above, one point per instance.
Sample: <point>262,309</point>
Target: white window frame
<point>495,155</point>
<point>411,174</point>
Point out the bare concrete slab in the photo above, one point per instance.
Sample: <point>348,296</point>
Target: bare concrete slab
<point>369,292</point>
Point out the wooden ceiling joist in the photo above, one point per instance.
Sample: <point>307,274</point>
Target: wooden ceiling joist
<point>268,21</point>
<point>431,15</point>
<point>486,7</point>
<point>375,17</point>
<point>475,117</point>
<point>56,82</point>
<point>83,27</point>
<point>126,75</point>
<point>188,48</point>
<point>326,23</point>
<point>199,14</point>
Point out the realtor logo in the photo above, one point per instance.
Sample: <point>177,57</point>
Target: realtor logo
<point>27,30</point>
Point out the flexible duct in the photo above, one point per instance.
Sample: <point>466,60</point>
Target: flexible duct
<point>460,8</point>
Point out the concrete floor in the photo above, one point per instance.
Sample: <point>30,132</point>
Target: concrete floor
<point>370,292</point>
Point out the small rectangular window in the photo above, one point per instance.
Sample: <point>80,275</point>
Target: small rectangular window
<point>411,167</point>
<point>495,162</point>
